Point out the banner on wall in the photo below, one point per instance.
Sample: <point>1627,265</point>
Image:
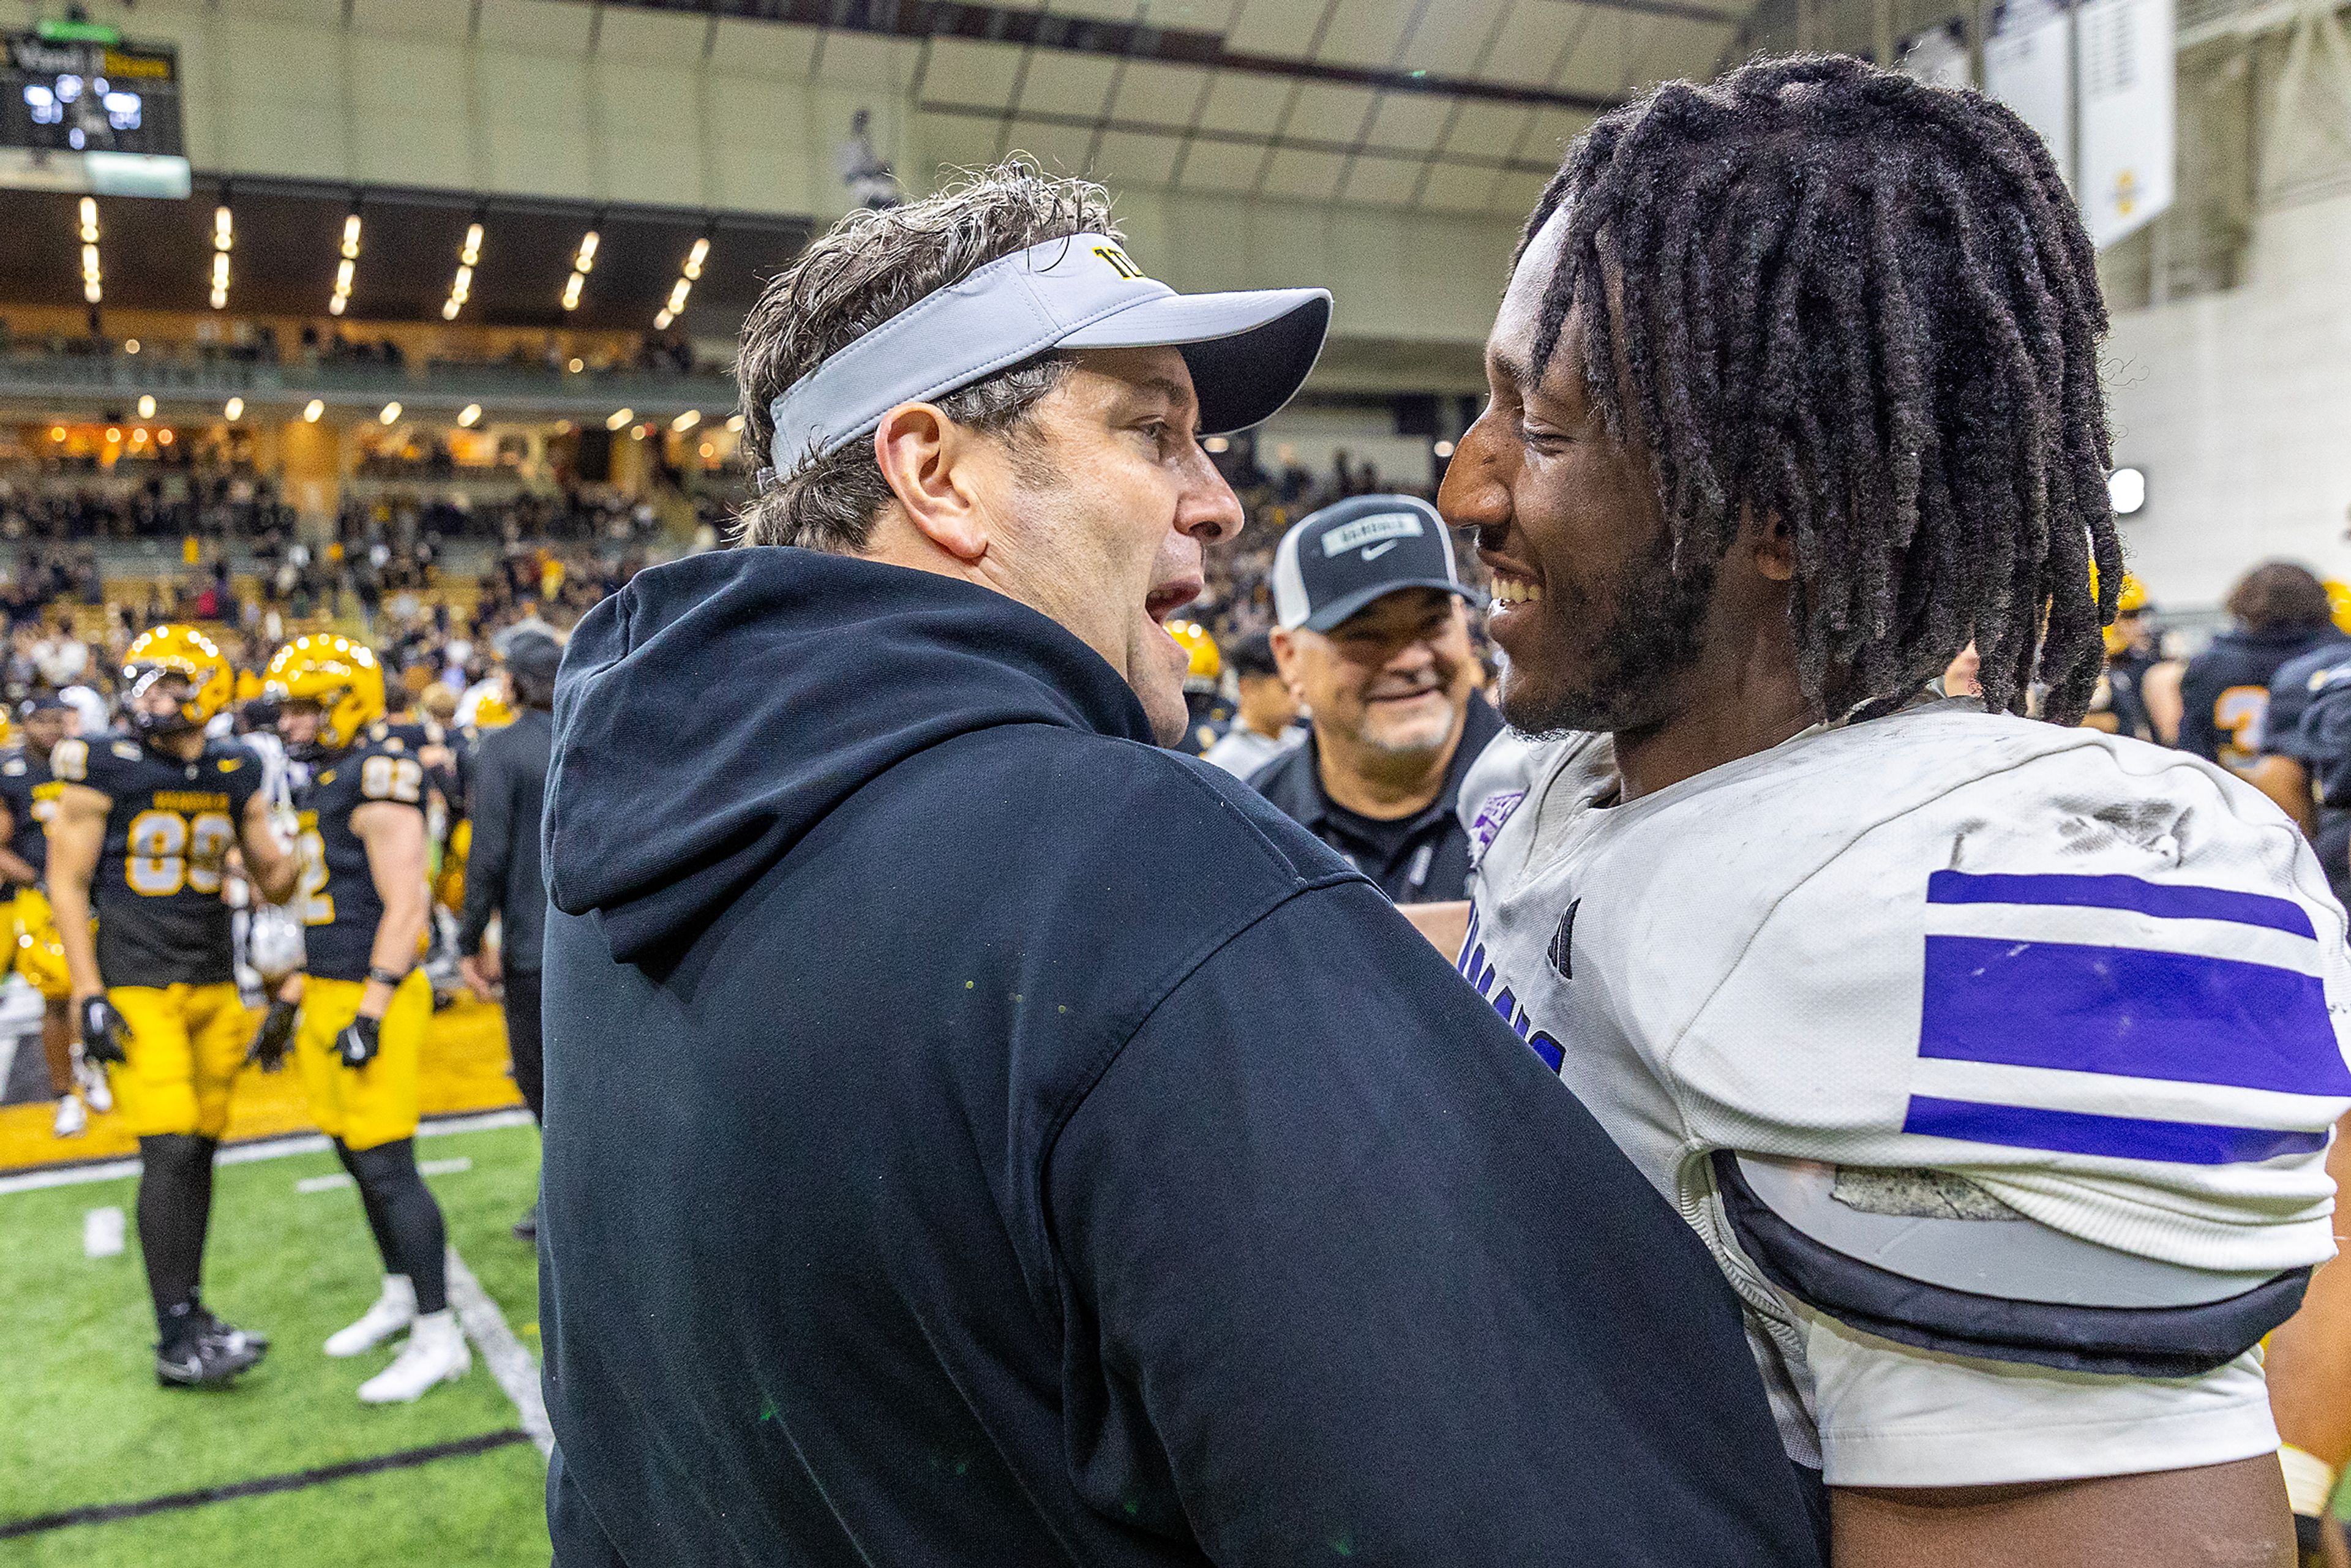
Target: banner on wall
<point>2125,78</point>
<point>2029,66</point>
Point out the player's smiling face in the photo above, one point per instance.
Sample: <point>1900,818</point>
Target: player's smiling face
<point>1593,622</point>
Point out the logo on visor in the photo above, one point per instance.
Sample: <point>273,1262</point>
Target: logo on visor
<point>1120,262</point>
<point>1370,530</point>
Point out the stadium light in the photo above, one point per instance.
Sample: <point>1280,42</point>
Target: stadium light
<point>130,345</point>
<point>571,290</point>
<point>449,308</point>
<point>113,434</point>
<point>2126,490</point>
<point>583,262</point>
<point>687,272</point>
<point>662,319</point>
<point>576,366</point>
<point>89,220</point>
<point>469,414</point>
<point>687,421</point>
<point>224,239</point>
<point>312,409</point>
<point>235,409</point>
<point>460,288</point>
<point>620,417</point>
<point>57,433</point>
<point>391,415</point>
<point>1443,449</point>
<point>472,252</point>
<point>1217,445</point>
<point>735,424</point>
<point>347,269</point>
<point>163,437</point>
<point>146,405</point>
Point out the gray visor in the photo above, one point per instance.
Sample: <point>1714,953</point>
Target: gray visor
<point>1248,352</point>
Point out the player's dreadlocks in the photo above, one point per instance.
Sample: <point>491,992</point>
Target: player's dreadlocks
<point>1867,307</point>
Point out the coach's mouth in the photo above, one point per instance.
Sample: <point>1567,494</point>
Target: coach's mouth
<point>1166,598</point>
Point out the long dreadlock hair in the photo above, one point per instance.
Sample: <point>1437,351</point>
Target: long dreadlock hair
<point>1866,307</point>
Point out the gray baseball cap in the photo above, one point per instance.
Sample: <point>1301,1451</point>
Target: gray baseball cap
<point>1334,562</point>
<point>1248,352</point>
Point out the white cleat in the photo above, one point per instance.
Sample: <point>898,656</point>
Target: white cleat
<point>435,1353</point>
<point>72,1120</point>
<point>393,1311</point>
<point>91,1079</point>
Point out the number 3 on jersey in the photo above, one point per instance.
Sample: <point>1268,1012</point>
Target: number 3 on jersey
<point>167,852</point>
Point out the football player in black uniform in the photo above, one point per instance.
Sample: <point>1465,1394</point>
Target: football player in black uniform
<point>28,798</point>
<point>140,837</point>
<point>363,1003</point>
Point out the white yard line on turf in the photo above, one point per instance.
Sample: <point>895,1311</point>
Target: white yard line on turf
<point>244,1153</point>
<point>509,1362</point>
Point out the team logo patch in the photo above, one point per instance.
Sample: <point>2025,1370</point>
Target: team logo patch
<point>1371,530</point>
<point>229,765</point>
<point>2118,1017</point>
<point>1492,812</point>
<point>1561,950</point>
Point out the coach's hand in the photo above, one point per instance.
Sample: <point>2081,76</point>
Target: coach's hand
<point>359,1040</point>
<point>276,1034</point>
<point>104,1036</point>
<point>481,975</point>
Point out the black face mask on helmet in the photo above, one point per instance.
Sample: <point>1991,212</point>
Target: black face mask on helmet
<point>179,721</point>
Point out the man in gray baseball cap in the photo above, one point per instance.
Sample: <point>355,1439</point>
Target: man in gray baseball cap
<point>925,1182</point>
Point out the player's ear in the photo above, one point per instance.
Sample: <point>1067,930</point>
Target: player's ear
<point>929,462</point>
<point>1775,546</point>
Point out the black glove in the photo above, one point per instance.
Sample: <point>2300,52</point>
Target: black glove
<point>358,1044</point>
<point>104,1036</point>
<point>275,1035</point>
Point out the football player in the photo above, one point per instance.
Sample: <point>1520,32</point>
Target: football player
<point>1994,1059</point>
<point>141,833</point>
<point>28,798</point>
<point>364,1004</point>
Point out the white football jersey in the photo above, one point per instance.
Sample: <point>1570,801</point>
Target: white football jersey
<point>2035,1022</point>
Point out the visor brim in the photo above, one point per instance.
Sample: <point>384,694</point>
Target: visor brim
<point>1248,352</point>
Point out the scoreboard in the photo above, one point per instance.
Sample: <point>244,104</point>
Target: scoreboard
<point>82,110</point>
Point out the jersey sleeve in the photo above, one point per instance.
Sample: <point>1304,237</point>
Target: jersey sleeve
<point>94,762</point>
<point>2019,1104</point>
<point>392,776</point>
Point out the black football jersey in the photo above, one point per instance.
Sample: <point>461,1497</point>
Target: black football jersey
<point>338,903</point>
<point>30,793</point>
<point>169,830</point>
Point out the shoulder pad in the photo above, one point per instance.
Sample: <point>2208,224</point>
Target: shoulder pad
<point>1950,1269</point>
<point>126,750</point>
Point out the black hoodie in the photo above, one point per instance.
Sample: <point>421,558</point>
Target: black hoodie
<point>975,1135</point>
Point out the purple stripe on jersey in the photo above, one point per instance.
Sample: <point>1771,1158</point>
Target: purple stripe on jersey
<point>2130,1012</point>
<point>2171,901</point>
<point>2117,1137</point>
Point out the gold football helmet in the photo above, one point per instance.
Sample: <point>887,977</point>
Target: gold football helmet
<point>165,652</point>
<point>1206,664</point>
<point>342,677</point>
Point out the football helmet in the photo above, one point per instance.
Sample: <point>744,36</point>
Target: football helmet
<point>181,653</point>
<point>492,712</point>
<point>2338,604</point>
<point>1206,664</point>
<point>2132,600</point>
<point>343,678</point>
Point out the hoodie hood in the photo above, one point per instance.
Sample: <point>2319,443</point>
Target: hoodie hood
<point>716,710</point>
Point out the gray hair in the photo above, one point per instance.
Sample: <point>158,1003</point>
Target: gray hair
<point>865,269</point>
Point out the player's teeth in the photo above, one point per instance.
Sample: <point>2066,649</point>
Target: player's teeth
<point>1513,590</point>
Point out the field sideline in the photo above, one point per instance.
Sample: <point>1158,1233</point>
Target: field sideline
<point>100,1468</point>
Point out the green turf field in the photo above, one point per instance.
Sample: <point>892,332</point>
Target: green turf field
<point>85,1425</point>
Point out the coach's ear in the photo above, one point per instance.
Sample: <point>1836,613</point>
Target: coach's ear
<point>925,459</point>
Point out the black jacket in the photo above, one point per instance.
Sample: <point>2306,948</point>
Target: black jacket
<point>925,1184</point>
<point>505,794</point>
<point>1433,866</point>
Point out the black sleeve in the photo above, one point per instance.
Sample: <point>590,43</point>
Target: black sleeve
<point>1348,1271</point>
<point>489,804</point>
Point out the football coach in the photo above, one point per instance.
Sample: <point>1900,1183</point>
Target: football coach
<point>926,1182</point>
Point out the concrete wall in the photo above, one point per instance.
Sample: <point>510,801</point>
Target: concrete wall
<point>559,99</point>
<point>2238,405</point>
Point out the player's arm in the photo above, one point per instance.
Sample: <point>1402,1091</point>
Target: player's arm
<point>489,804</point>
<point>2309,1366</point>
<point>14,867</point>
<point>1445,924</point>
<point>270,862</point>
<point>394,837</point>
<point>76,833</point>
<point>2285,780</point>
<point>2219,1516</point>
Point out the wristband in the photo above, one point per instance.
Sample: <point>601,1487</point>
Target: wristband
<point>383,976</point>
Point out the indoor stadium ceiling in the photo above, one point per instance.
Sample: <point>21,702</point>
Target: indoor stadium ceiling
<point>1461,105</point>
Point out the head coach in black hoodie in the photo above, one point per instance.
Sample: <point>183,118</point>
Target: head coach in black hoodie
<point>930,1175</point>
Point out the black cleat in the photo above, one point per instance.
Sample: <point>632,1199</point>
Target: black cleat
<point>202,1359</point>
<point>212,1327</point>
<point>527,1227</point>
